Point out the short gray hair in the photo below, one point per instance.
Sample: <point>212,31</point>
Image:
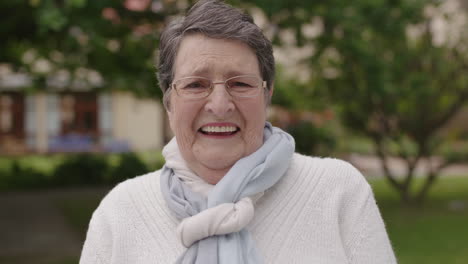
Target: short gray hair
<point>214,19</point>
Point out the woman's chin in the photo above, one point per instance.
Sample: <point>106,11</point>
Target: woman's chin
<point>218,155</point>
<point>219,163</point>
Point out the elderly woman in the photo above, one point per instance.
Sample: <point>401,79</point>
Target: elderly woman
<point>232,189</point>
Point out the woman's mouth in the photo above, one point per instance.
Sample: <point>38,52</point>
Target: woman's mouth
<point>219,130</point>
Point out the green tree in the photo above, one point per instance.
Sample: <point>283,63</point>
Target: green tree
<point>106,44</point>
<point>380,63</point>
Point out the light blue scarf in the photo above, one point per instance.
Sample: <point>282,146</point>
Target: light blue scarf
<point>249,176</point>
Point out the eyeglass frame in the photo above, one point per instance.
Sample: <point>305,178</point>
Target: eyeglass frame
<point>263,85</point>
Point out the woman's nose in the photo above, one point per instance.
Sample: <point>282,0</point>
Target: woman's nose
<point>220,102</point>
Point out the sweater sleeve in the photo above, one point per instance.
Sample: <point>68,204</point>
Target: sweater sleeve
<point>371,244</point>
<point>363,229</point>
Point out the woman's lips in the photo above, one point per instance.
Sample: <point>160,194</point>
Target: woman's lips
<point>219,129</point>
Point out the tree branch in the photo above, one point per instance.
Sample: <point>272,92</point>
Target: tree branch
<point>383,162</point>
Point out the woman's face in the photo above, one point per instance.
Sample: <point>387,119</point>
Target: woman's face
<point>195,122</point>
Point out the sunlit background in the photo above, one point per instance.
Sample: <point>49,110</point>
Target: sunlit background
<point>382,84</point>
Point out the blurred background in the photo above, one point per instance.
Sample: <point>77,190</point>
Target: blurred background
<point>380,83</point>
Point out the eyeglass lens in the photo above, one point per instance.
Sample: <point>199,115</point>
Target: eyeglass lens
<point>239,86</point>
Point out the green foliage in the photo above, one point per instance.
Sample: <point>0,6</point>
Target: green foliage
<point>395,87</point>
<point>78,36</point>
<point>21,175</point>
<point>295,95</point>
<point>129,166</point>
<point>86,169</point>
<point>312,140</point>
<point>81,169</point>
<point>50,17</point>
<point>381,74</point>
<point>153,159</point>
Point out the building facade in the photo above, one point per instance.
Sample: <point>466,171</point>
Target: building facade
<point>83,121</point>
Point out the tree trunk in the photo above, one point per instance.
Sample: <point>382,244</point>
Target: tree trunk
<point>422,195</point>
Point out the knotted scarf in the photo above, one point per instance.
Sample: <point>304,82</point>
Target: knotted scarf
<point>214,217</point>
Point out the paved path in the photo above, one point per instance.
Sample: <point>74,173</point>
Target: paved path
<point>32,229</point>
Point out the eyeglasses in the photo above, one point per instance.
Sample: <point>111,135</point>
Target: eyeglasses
<point>242,86</point>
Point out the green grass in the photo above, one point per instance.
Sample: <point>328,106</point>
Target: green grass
<point>435,233</point>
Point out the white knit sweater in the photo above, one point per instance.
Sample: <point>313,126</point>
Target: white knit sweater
<point>322,211</point>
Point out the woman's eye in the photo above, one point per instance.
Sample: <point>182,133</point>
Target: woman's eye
<point>195,85</point>
<point>241,84</point>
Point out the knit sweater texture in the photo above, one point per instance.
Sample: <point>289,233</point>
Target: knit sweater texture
<point>322,211</point>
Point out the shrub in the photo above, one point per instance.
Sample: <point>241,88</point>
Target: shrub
<point>159,163</point>
<point>129,166</point>
<point>311,139</point>
<point>39,171</point>
<point>21,177</point>
<point>81,169</point>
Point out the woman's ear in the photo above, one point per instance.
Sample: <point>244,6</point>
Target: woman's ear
<point>271,89</point>
<point>166,101</point>
<point>270,94</point>
<point>170,118</point>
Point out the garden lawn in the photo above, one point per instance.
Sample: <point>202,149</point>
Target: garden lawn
<point>434,233</point>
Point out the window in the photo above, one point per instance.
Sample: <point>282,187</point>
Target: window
<point>11,114</point>
<point>79,114</point>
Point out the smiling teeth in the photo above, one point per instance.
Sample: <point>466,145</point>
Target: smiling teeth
<point>218,129</point>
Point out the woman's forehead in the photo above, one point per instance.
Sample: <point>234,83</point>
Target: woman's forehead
<point>203,56</point>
